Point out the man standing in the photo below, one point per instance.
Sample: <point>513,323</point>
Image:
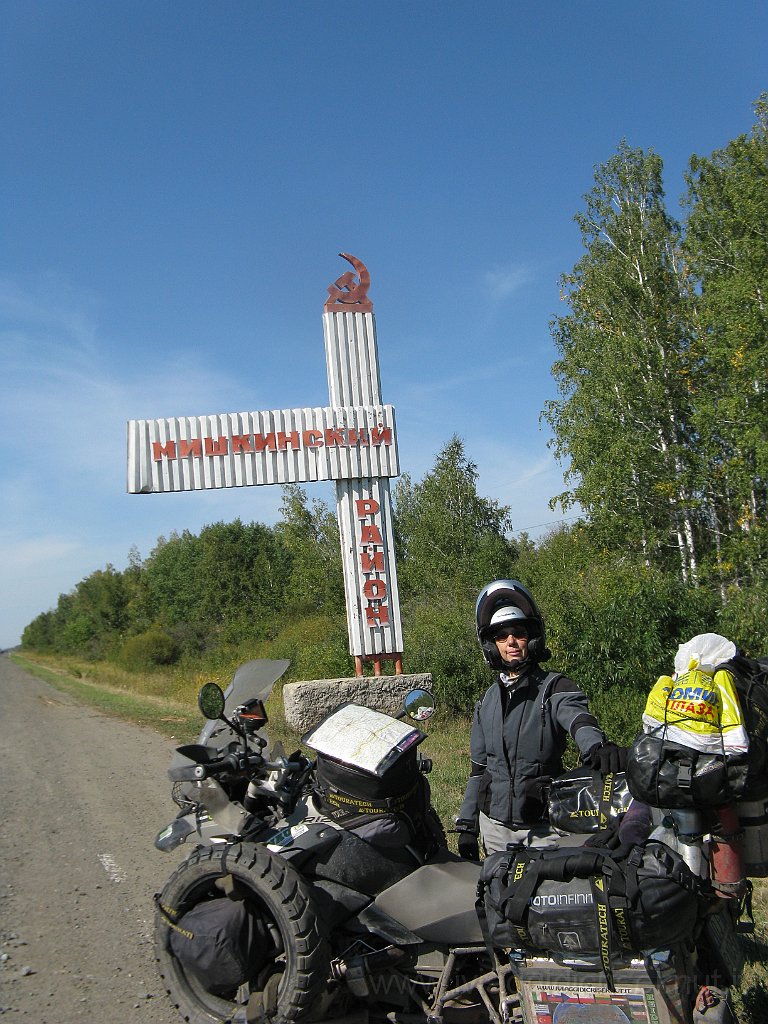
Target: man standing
<point>520,728</point>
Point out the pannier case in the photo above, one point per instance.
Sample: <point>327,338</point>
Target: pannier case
<point>550,994</point>
<point>753,822</point>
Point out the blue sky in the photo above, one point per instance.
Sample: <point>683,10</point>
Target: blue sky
<point>177,179</point>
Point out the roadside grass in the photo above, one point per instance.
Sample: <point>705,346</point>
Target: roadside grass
<point>169,705</point>
<point>140,698</point>
<point>174,719</point>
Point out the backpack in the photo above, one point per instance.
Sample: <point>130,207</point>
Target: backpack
<point>750,676</point>
<point>583,903</point>
<point>694,748</point>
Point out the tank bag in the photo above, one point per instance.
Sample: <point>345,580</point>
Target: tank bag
<point>348,810</point>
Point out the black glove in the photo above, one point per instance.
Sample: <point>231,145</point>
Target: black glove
<point>637,824</point>
<point>605,757</point>
<point>611,840</point>
<point>469,848</point>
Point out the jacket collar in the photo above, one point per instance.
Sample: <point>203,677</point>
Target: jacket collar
<point>512,683</point>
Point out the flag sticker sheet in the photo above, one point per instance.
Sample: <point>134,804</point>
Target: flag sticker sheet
<point>588,1004</point>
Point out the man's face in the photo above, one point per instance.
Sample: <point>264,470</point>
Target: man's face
<point>512,644</point>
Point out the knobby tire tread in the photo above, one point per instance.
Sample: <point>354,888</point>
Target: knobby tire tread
<point>288,899</point>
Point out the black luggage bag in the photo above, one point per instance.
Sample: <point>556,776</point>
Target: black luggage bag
<point>572,903</point>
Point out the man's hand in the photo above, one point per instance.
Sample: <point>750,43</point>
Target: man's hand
<point>605,757</point>
<point>469,848</point>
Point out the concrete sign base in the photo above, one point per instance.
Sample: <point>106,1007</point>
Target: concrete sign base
<point>308,703</point>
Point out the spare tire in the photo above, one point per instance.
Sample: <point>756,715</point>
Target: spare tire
<point>289,968</point>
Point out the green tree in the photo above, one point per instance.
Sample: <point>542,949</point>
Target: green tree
<point>224,585</point>
<point>450,542</point>
<point>103,597</point>
<point>446,532</point>
<point>622,422</point>
<point>727,248</point>
<point>311,535</point>
<point>171,582</point>
<point>89,621</point>
<point>243,576</point>
<point>40,633</point>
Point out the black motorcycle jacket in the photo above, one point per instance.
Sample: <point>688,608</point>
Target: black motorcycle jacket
<point>518,737</point>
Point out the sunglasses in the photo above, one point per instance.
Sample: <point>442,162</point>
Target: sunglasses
<point>519,632</point>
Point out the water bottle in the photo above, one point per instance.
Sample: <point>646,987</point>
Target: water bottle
<point>681,831</point>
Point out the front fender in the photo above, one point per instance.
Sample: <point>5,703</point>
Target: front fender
<point>175,834</point>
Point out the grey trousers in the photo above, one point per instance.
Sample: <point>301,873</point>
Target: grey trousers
<point>496,836</point>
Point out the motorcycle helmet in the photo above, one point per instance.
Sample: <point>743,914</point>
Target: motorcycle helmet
<point>501,603</point>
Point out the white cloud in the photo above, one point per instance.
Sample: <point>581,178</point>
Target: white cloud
<point>524,476</point>
<point>501,282</point>
<point>29,555</point>
<point>63,414</point>
<point>35,569</point>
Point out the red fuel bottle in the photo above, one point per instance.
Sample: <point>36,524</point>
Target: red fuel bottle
<point>727,857</point>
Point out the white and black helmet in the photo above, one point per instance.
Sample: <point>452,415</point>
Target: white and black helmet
<point>501,603</point>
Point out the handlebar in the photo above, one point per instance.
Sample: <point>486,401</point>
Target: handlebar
<point>235,761</point>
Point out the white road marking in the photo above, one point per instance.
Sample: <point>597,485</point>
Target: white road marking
<point>110,866</point>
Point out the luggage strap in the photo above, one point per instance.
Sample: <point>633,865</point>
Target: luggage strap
<point>600,898</point>
<point>344,808</point>
<point>606,800</point>
<point>609,893</point>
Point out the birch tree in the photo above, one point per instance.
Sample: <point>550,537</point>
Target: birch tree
<point>727,248</point>
<point>448,536</point>
<point>622,423</point>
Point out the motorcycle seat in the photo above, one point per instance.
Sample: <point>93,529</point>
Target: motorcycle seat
<point>437,901</point>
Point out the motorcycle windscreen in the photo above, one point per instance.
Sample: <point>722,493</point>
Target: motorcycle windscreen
<point>254,679</point>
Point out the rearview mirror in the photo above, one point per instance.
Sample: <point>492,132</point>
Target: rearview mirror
<point>210,700</point>
<point>419,705</point>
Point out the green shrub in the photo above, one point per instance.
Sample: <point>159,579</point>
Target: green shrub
<point>441,640</point>
<point>149,649</point>
<point>316,645</point>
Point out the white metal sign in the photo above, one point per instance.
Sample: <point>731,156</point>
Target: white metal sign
<point>275,447</point>
<point>352,441</point>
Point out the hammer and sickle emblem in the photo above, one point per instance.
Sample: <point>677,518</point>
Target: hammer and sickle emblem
<point>346,296</point>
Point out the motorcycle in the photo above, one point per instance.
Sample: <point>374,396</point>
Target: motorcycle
<point>324,889</point>
<point>223,785</point>
<point>355,902</point>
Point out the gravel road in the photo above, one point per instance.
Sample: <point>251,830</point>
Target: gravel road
<point>83,796</point>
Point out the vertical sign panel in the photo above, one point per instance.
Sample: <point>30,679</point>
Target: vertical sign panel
<point>364,505</point>
<point>364,510</point>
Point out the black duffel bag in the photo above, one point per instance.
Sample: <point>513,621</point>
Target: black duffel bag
<point>663,773</point>
<point>584,801</point>
<point>583,903</point>
<point>214,941</point>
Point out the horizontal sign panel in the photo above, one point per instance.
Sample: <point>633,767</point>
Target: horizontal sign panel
<point>274,447</point>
